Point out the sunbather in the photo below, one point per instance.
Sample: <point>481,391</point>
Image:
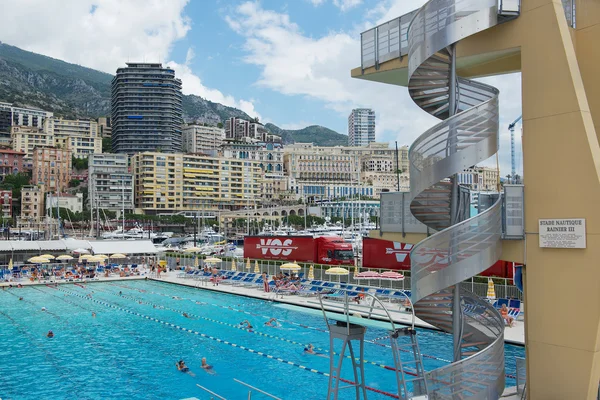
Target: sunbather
<point>504,312</point>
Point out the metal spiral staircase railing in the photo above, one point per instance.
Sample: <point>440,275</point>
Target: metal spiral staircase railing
<point>461,248</point>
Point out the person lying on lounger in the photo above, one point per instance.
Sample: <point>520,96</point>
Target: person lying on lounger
<point>504,312</point>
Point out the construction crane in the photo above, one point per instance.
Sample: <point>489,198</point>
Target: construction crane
<point>511,128</point>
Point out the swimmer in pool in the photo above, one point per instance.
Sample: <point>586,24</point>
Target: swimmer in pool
<point>20,298</point>
<point>206,367</point>
<point>247,323</point>
<point>273,323</point>
<point>93,314</point>
<point>186,315</point>
<point>183,368</point>
<point>50,334</point>
<point>43,308</point>
<point>310,349</point>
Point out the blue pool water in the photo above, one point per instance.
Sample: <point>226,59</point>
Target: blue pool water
<point>129,350</point>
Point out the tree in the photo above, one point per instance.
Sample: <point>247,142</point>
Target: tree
<point>107,145</point>
<point>79,163</point>
<point>74,182</point>
<point>220,125</point>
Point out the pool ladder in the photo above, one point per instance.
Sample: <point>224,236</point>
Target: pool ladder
<point>419,383</point>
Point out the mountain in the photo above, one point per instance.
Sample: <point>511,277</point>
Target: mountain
<point>316,134</point>
<point>73,91</point>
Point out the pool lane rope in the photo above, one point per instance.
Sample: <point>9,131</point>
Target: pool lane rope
<point>374,341</point>
<point>259,353</point>
<point>253,331</point>
<point>89,338</point>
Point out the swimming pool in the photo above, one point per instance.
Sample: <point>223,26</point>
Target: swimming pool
<point>129,349</point>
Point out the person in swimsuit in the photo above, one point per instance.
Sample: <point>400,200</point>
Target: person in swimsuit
<point>504,313</point>
<point>186,315</point>
<point>93,314</point>
<point>273,323</point>
<point>310,349</point>
<point>50,334</point>
<point>206,367</point>
<point>247,323</point>
<point>183,368</point>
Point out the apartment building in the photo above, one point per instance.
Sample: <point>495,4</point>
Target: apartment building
<point>168,183</point>
<point>202,138</point>
<point>334,172</point>
<point>110,183</point>
<point>237,129</point>
<point>146,113</point>
<point>479,178</point>
<point>11,115</point>
<point>51,168</point>
<point>26,138</point>
<point>11,162</point>
<point>361,127</point>
<point>80,136</point>
<point>6,203</point>
<point>32,202</point>
<point>104,127</point>
<point>269,157</point>
<point>72,202</point>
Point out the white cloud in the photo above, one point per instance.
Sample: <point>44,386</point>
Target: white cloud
<point>346,5</point>
<point>105,34</point>
<point>295,64</point>
<point>316,3</point>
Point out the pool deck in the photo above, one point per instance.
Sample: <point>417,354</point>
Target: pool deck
<point>514,335</point>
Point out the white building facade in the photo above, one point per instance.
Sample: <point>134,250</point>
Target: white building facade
<point>110,183</point>
<point>80,136</point>
<point>361,127</point>
<point>72,202</point>
<point>201,138</point>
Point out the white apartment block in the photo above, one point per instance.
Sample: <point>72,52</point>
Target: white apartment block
<point>11,115</point>
<point>200,138</point>
<point>335,172</point>
<point>72,202</point>
<point>110,182</point>
<point>361,127</point>
<point>81,137</point>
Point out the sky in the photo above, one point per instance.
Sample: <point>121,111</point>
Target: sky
<point>285,62</point>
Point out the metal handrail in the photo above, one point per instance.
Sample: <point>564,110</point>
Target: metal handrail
<point>211,392</point>
<point>257,389</point>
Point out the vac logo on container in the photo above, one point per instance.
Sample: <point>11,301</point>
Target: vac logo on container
<point>399,251</point>
<point>276,247</point>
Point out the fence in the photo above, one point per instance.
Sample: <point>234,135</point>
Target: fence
<point>478,285</point>
<point>521,374</point>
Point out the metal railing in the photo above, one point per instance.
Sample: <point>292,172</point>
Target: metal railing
<point>504,287</point>
<point>386,41</point>
<point>521,374</point>
<point>570,12</point>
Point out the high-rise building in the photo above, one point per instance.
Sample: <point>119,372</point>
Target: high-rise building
<point>146,113</point>
<point>51,168</point>
<point>110,182</point>
<point>79,136</point>
<point>361,127</point>
<point>201,138</point>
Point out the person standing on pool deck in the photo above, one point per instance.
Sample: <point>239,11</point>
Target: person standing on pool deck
<point>265,279</point>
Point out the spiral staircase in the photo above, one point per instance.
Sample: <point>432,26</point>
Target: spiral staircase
<point>461,247</point>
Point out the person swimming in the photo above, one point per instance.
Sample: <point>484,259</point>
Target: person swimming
<point>273,323</point>
<point>206,367</point>
<point>310,349</point>
<point>50,334</point>
<point>247,323</point>
<point>93,314</point>
<point>186,315</point>
<point>43,308</point>
<point>181,366</point>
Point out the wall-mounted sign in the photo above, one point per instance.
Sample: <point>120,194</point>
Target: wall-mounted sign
<point>562,233</point>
